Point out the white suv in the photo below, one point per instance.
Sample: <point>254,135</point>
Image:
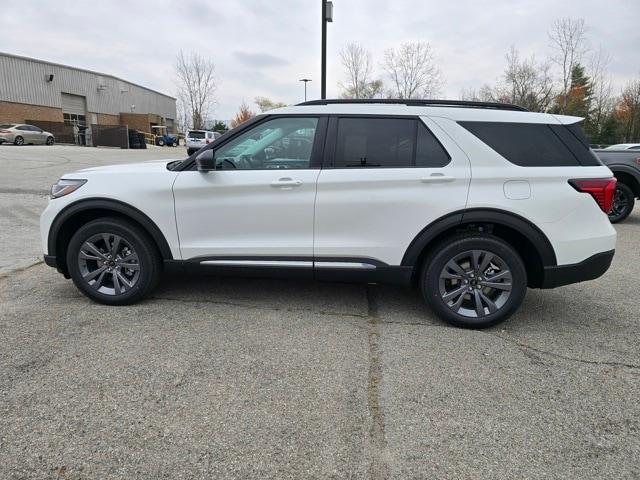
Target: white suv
<point>472,202</point>
<point>196,139</point>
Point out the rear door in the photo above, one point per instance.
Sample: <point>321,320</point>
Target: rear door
<point>386,179</point>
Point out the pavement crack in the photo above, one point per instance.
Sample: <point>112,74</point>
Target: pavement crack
<point>8,274</point>
<point>529,348</point>
<point>259,307</point>
<point>379,467</point>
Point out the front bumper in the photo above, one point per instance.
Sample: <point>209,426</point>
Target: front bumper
<point>589,269</point>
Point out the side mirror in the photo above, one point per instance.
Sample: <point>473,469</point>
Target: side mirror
<point>206,161</point>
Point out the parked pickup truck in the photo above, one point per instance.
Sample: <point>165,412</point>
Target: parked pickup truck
<point>625,165</point>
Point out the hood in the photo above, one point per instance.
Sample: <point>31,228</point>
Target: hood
<point>125,168</point>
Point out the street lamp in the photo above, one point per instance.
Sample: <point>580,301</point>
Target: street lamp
<point>327,16</point>
<point>305,80</point>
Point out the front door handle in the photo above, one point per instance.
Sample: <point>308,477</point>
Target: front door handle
<point>286,183</point>
<point>437,178</point>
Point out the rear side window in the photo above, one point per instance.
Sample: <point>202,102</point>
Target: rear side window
<point>374,142</point>
<point>386,143</point>
<point>429,152</point>
<point>524,144</point>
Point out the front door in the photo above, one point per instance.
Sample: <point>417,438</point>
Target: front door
<point>257,206</point>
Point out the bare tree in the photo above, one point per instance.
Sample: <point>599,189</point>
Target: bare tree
<point>568,39</point>
<point>527,82</point>
<point>265,104</point>
<point>357,64</point>
<point>244,114</point>
<point>412,70</point>
<point>601,88</point>
<point>196,86</point>
<point>628,111</point>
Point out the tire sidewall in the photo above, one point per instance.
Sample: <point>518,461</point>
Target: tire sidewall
<point>627,192</point>
<point>446,251</point>
<point>49,141</point>
<point>147,256</point>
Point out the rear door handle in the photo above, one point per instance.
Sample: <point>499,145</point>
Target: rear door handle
<point>286,183</point>
<point>437,178</point>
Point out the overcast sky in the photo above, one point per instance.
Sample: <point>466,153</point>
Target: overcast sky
<point>264,47</point>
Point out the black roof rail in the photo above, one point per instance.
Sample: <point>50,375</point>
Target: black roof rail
<point>411,102</point>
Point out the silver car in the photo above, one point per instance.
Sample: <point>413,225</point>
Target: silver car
<point>21,134</point>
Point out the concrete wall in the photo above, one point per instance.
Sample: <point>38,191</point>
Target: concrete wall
<point>24,80</point>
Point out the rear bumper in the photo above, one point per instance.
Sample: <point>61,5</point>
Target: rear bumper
<point>589,269</point>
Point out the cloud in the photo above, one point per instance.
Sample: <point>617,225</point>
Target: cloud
<point>260,59</point>
<point>262,48</point>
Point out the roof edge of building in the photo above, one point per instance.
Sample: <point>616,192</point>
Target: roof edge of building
<point>31,59</point>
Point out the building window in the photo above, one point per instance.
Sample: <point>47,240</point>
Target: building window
<point>71,118</point>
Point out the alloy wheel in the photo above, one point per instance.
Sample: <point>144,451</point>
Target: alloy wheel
<point>475,283</point>
<point>109,264</point>
<point>620,204</point>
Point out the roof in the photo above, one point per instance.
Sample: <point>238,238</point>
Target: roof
<point>45,62</point>
<point>446,110</point>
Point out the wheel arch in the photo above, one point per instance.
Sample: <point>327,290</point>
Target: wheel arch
<point>529,241</point>
<point>628,176</point>
<point>77,214</point>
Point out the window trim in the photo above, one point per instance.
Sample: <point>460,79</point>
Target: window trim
<point>331,144</point>
<point>317,151</point>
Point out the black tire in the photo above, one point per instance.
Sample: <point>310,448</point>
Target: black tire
<point>160,142</point>
<point>50,140</point>
<point>432,281</point>
<point>18,140</point>
<point>623,203</point>
<point>190,151</point>
<point>148,263</point>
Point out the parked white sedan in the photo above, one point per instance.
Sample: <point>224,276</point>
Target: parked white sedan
<point>21,134</point>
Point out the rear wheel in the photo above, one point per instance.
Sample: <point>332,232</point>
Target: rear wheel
<point>18,140</point>
<point>113,261</point>
<point>190,151</point>
<point>623,202</point>
<point>474,280</point>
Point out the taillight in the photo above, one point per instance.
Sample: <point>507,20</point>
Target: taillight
<point>601,189</point>
<point>207,142</point>
<point>638,161</point>
<point>5,131</point>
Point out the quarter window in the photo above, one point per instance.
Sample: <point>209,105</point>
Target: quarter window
<point>281,143</point>
<point>525,144</point>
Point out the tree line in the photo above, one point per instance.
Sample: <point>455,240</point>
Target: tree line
<point>572,80</point>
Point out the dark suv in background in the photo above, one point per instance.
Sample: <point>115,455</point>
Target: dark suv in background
<point>625,165</point>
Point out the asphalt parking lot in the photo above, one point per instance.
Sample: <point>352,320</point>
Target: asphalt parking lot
<point>248,378</point>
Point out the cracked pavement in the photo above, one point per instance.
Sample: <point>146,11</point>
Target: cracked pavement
<point>217,377</point>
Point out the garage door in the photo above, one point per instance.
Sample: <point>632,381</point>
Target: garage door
<point>74,108</point>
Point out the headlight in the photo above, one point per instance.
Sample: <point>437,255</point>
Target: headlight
<point>64,187</point>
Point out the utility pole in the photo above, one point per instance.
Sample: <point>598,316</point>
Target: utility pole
<point>305,80</point>
<point>327,16</point>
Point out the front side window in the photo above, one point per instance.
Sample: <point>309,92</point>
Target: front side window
<point>281,143</point>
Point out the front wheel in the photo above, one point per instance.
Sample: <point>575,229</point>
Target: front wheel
<point>113,261</point>
<point>49,140</point>
<point>623,202</point>
<point>474,280</point>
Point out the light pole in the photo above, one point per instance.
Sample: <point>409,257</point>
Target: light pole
<point>305,80</point>
<point>327,16</point>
